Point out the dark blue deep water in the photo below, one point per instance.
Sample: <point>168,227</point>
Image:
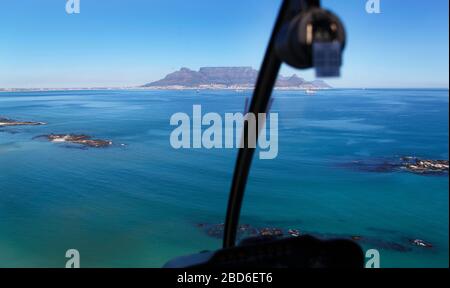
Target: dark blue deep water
<point>139,205</point>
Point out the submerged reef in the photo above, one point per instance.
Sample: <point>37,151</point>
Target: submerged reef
<point>7,131</point>
<point>217,230</point>
<point>245,231</point>
<point>248,231</point>
<point>81,139</point>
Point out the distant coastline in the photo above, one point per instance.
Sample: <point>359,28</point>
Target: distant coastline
<point>218,78</point>
<point>155,88</point>
<point>207,78</point>
<point>181,88</point>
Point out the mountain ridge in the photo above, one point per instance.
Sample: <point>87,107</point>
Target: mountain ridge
<point>228,77</point>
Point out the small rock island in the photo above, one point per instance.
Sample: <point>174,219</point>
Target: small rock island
<point>4,122</point>
<point>421,166</point>
<point>408,164</point>
<point>84,140</point>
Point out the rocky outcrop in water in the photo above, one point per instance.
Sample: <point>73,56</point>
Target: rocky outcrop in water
<point>408,164</point>
<point>5,122</point>
<point>84,140</point>
<point>420,166</point>
<point>420,243</point>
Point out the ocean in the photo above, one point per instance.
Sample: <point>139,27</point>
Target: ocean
<point>141,203</point>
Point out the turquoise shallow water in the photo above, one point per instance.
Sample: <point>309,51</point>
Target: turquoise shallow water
<point>138,205</point>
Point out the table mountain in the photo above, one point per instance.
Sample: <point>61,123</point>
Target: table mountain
<point>228,77</point>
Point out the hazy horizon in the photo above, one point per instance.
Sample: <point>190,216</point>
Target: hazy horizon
<point>327,80</point>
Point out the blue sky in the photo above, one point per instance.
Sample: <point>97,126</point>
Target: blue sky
<point>124,43</point>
